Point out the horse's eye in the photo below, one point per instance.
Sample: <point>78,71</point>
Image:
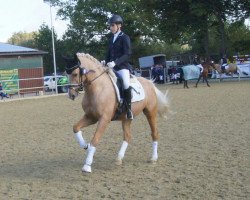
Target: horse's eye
<point>74,75</point>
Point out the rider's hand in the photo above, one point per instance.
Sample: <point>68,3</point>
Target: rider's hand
<point>103,62</point>
<point>111,64</point>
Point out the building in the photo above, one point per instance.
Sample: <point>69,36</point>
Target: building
<point>17,64</point>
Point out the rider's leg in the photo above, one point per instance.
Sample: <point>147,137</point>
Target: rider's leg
<point>124,74</point>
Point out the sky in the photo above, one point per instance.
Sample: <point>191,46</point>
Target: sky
<point>27,16</point>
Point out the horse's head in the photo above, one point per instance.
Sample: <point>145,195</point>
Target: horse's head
<point>80,71</point>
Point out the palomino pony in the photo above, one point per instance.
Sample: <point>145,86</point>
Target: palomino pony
<point>100,104</point>
<point>231,69</point>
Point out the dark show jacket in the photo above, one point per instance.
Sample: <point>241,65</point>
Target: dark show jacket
<point>119,51</point>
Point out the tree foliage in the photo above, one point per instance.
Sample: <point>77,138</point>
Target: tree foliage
<point>43,41</point>
<point>23,39</point>
<point>155,26</point>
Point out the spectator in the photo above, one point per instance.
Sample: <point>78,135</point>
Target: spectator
<point>2,94</point>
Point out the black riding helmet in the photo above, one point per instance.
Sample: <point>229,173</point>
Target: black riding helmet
<point>115,19</point>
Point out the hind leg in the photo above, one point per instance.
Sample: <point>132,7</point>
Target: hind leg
<point>151,117</point>
<point>206,81</point>
<point>126,140</point>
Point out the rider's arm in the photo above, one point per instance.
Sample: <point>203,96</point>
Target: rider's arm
<point>107,59</point>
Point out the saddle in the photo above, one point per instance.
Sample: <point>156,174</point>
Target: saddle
<point>137,91</point>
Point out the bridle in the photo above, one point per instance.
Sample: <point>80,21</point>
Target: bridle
<point>83,72</point>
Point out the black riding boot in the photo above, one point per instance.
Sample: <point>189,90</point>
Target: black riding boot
<point>128,97</point>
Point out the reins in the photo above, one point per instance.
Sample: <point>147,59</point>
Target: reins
<point>87,82</point>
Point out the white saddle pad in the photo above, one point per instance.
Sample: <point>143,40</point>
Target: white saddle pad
<point>138,93</point>
<point>226,66</point>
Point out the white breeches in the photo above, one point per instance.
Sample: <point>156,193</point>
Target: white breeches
<point>124,74</point>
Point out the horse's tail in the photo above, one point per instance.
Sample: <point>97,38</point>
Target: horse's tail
<point>163,103</point>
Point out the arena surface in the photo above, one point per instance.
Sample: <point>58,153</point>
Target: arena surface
<point>203,151</point>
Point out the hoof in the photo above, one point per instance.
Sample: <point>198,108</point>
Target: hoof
<point>153,161</point>
<point>118,162</point>
<point>86,168</point>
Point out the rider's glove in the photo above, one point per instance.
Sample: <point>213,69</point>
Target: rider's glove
<point>103,62</point>
<point>111,64</point>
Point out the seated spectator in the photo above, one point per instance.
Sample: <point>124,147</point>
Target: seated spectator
<point>2,94</point>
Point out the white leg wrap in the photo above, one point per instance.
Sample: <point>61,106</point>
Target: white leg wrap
<point>87,166</point>
<point>80,140</point>
<point>122,150</point>
<point>155,153</point>
<point>91,152</point>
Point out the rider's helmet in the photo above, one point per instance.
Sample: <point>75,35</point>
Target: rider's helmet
<point>115,19</point>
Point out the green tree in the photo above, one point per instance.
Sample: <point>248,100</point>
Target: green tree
<point>43,41</point>
<point>23,39</point>
<point>151,24</point>
<point>88,30</point>
<point>239,38</point>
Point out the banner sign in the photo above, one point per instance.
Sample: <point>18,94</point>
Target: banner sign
<point>9,80</point>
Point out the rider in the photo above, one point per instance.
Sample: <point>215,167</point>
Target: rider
<point>195,62</point>
<point>119,51</point>
<point>224,63</point>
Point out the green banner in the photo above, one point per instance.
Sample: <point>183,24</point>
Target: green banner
<point>9,80</point>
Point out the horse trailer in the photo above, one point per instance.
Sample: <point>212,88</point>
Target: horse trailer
<point>149,63</point>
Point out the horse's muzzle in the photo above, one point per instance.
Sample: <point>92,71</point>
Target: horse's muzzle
<point>72,93</point>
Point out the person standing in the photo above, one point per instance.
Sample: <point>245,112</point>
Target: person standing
<point>118,54</point>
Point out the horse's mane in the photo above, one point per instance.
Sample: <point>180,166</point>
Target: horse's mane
<point>88,56</point>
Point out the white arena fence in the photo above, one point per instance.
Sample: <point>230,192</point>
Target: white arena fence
<point>146,73</point>
<point>21,92</point>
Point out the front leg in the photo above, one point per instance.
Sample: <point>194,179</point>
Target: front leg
<point>198,81</point>
<point>84,122</point>
<point>102,125</point>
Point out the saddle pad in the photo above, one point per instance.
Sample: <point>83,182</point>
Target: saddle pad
<point>191,72</point>
<point>226,66</point>
<point>138,93</point>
